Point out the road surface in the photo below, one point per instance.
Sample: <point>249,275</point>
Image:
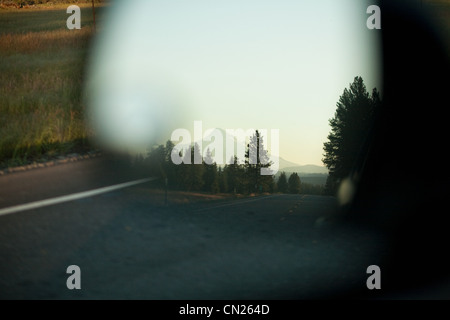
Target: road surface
<point>128,247</point>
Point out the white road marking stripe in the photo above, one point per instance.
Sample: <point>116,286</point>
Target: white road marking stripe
<point>70,197</point>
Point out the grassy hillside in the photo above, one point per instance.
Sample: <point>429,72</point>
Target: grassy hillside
<point>42,67</point>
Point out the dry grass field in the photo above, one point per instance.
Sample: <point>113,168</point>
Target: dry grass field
<point>42,66</point>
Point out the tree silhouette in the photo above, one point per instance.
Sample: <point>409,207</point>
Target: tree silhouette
<point>294,183</point>
<point>282,184</point>
<point>222,178</point>
<point>256,158</point>
<point>234,175</point>
<point>155,160</point>
<point>210,178</point>
<point>349,128</point>
<point>170,169</point>
<point>190,175</point>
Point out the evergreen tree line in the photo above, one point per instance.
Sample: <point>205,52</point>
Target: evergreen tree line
<point>350,128</point>
<point>236,177</point>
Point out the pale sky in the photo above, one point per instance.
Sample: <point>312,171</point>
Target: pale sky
<point>231,64</point>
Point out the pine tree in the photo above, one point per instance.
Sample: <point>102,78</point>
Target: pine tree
<point>210,179</point>
<point>191,174</point>
<point>155,161</point>
<point>196,170</point>
<point>170,169</point>
<point>294,183</point>
<point>234,175</point>
<point>282,184</point>
<point>256,158</point>
<point>349,128</point>
<point>223,182</point>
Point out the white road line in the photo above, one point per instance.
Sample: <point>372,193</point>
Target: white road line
<point>237,202</point>
<point>70,197</point>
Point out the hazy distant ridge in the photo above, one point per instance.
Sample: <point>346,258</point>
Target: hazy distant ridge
<point>307,168</point>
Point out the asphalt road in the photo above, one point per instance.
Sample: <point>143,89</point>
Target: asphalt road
<point>268,247</point>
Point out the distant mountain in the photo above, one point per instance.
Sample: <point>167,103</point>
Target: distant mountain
<point>306,169</point>
<point>284,165</point>
<point>309,173</point>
